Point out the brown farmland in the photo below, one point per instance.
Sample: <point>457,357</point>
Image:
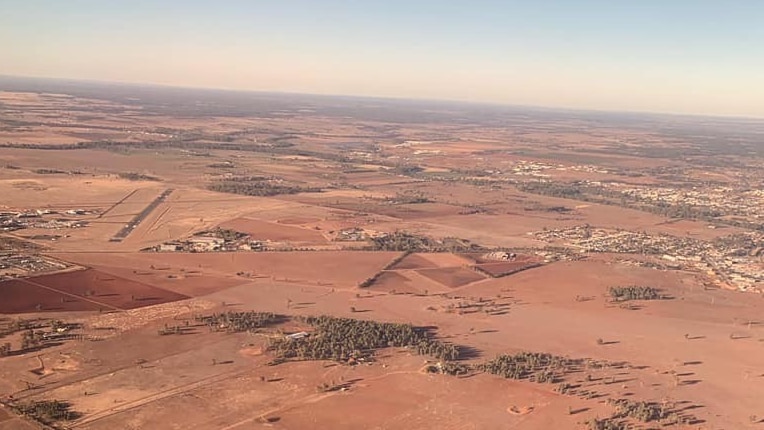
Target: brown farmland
<point>262,230</point>
<point>452,277</point>
<point>82,290</point>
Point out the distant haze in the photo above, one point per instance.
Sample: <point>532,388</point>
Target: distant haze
<point>683,56</point>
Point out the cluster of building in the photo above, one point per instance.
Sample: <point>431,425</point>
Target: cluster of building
<point>531,168</point>
<point>354,234</point>
<point>42,218</point>
<point>724,200</point>
<point>14,265</point>
<point>537,169</point>
<point>209,243</point>
<point>739,266</point>
<point>500,256</point>
<point>589,239</point>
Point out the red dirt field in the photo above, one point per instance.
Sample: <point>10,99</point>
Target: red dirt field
<point>451,277</point>
<point>445,259</point>
<point>329,268</point>
<point>186,280</point>
<point>298,220</point>
<point>190,283</point>
<point>417,211</point>
<point>88,290</point>
<point>434,401</point>
<point>11,422</point>
<point>24,296</point>
<point>277,232</point>
<point>430,260</point>
<point>393,281</point>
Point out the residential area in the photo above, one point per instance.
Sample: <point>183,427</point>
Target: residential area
<point>737,261</point>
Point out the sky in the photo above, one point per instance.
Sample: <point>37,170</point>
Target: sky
<point>679,56</point>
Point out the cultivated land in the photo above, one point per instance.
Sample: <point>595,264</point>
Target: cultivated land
<point>560,269</point>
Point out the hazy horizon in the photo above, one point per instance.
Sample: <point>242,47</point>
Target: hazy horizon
<point>686,57</point>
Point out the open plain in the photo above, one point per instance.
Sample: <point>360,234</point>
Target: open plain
<point>588,269</point>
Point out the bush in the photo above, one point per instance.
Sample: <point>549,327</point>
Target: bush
<point>634,292</point>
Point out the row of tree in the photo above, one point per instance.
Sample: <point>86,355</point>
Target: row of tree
<point>20,324</point>
<point>234,322</point>
<point>368,282</point>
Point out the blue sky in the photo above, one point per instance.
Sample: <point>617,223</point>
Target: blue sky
<point>690,56</point>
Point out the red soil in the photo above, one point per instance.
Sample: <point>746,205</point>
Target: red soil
<point>264,230</point>
<point>414,261</point>
<point>80,290</point>
<point>392,281</point>
<point>451,276</point>
<point>20,296</point>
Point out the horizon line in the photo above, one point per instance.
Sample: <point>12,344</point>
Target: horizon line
<point>558,108</point>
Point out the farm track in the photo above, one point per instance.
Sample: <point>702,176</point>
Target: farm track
<point>66,382</point>
<point>180,389</point>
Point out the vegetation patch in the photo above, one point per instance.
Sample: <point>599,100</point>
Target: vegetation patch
<point>133,176</point>
<point>409,197</point>
<point>259,186</point>
<point>235,322</point>
<point>48,412</point>
<point>48,171</point>
<point>350,340</point>
<point>404,241</point>
<point>531,366</point>
<point>634,292</point>
<point>450,368</point>
<point>649,412</point>
<point>606,424</point>
<point>35,334</point>
<point>226,234</point>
